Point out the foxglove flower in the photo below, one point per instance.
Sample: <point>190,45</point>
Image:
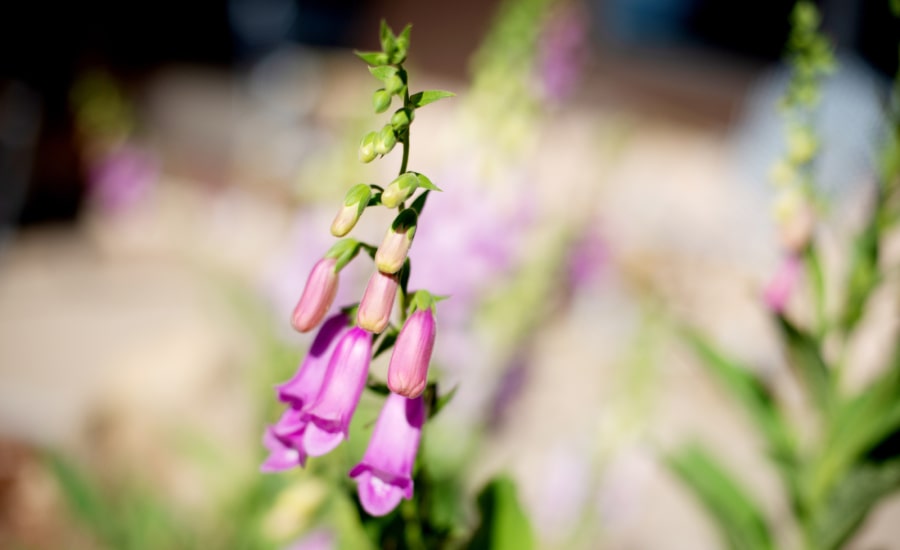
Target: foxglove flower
<point>377,302</point>
<point>408,370</point>
<point>283,455</point>
<point>329,417</point>
<point>781,287</point>
<point>384,476</point>
<point>321,287</point>
<point>301,390</point>
<point>392,253</point>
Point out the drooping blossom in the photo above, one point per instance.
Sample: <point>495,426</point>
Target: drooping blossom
<point>384,476</point>
<point>392,253</point>
<point>408,369</point>
<point>782,285</point>
<point>374,312</point>
<point>321,288</point>
<point>282,454</point>
<point>301,390</point>
<point>329,417</point>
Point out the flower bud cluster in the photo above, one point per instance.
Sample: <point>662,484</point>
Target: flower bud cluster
<point>322,396</point>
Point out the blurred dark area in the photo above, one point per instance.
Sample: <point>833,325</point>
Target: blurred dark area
<point>45,45</point>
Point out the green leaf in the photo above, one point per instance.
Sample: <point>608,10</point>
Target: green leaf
<point>426,183</point>
<point>504,525</point>
<point>421,99</point>
<point>753,395</point>
<point>851,500</point>
<point>738,517</point>
<point>384,72</point>
<point>806,360</point>
<point>388,40</point>
<point>387,341</point>
<point>378,387</point>
<point>419,204</point>
<point>442,400</point>
<point>373,58</point>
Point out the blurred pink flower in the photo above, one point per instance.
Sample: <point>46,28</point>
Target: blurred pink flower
<point>330,415</point>
<point>779,290</point>
<point>384,475</point>
<point>562,52</point>
<point>122,178</point>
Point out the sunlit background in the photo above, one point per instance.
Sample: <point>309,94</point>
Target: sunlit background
<point>168,174</point>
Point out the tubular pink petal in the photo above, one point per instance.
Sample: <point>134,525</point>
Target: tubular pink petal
<point>301,390</point>
<point>330,415</point>
<point>408,370</point>
<point>377,497</point>
<point>281,455</point>
<point>377,302</point>
<point>321,288</point>
<point>385,473</point>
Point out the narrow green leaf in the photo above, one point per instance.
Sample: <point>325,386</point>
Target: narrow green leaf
<point>806,360</point>
<point>738,517</point>
<point>421,99</point>
<point>388,40</point>
<point>504,525</point>
<point>373,58</point>
<point>750,392</point>
<point>442,400</point>
<point>851,500</point>
<point>419,204</point>
<point>383,72</point>
<point>387,341</point>
<point>426,183</point>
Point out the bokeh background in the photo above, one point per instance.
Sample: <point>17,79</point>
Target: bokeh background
<point>168,173</point>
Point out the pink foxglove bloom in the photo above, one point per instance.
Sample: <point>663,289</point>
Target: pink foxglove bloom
<point>782,285</point>
<point>377,302</point>
<point>283,455</point>
<point>384,476</point>
<point>301,390</point>
<point>321,287</point>
<point>329,417</point>
<point>408,370</point>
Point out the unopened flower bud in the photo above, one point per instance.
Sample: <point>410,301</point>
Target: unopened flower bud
<point>401,119</point>
<point>386,140</point>
<point>381,100</point>
<point>399,190</point>
<point>355,203</point>
<point>321,287</point>
<point>393,84</point>
<point>393,250</point>
<point>367,147</point>
<point>408,370</point>
<point>374,312</point>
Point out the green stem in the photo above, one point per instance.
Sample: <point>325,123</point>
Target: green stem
<point>414,538</point>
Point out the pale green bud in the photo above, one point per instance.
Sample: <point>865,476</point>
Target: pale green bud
<point>381,100</point>
<point>355,203</point>
<point>402,119</point>
<point>386,140</point>
<point>393,250</point>
<point>399,190</point>
<point>367,147</point>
